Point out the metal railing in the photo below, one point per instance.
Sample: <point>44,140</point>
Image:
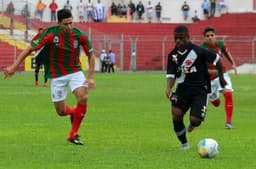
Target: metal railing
<point>148,52</point>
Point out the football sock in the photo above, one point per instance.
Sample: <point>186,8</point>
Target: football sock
<point>69,110</point>
<point>36,73</point>
<point>229,106</point>
<point>36,77</point>
<point>216,102</point>
<point>180,131</point>
<point>78,116</point>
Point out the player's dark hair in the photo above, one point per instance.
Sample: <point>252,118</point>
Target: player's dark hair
<point>63,14</point>
<point>208,29</point>
<point>181,29</point>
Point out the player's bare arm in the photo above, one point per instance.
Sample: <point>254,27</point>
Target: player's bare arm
<point>170,83</point>
<point>231,60</point>
<point>213,72</point>
<point>221,72</point>
<point>90,80</point>
<point>10,70</point>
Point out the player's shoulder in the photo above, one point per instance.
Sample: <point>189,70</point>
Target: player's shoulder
<point>51,29</point>
<point>203,44</point>
<point>78,31</point>
<point>200,50</point>
<point>172,52</point>
<point>220,42</point>
<point>196,48</point>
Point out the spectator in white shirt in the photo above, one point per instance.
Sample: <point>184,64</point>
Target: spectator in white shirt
<point>99,12</point>
<point>67,5</point>
<point>81,11</point>
<point>149,9</point>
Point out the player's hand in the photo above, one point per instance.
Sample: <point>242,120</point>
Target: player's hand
<point>91,83</point>
<point>8,71</point>
<point>235,69</point>
<point>223,82</point>
<point>168,93</point>
<point>213,72</point>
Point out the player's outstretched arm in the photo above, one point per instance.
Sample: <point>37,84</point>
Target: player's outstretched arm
<point>10,70</point>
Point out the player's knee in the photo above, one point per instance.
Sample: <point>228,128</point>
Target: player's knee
<point>177,114</point>
<point>60,111</point>
<point>195,121</point>
<point>81,95</point>
<point>195,124</point>
<point>82,99</point>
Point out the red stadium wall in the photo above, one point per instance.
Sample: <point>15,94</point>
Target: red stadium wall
<point>154,41</point>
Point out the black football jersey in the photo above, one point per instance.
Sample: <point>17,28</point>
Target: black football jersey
<point>190,68</point>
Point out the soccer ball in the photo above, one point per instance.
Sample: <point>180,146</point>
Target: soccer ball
<point>208,148</point>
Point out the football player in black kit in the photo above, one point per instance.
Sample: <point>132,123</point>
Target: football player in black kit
<point>187,66</point>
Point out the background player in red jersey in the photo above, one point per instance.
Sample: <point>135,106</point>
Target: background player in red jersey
<point>219,47</point>
<point>63,66</point>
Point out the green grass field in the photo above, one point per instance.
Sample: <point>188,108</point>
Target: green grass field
<point>128,126</point>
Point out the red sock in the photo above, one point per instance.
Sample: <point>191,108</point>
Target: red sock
<point>69,110</point>
<point>216,102</point>
<point>229,105</point>
<point>78,116</point>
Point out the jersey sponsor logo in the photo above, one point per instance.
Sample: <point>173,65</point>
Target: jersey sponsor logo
<point>56,40</point>
<point>188,63</point>
<point>75,43</point>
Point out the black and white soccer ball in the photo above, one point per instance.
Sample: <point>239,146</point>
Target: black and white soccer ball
<point>208,148</point>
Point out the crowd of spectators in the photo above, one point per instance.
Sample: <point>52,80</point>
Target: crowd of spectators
<point>108,61</point>
<point>208,7</point>
<point>142,11</point>
<point>136,11</point>
<point>86,11</point>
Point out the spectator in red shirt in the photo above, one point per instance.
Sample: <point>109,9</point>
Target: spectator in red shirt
<point>53,7</point>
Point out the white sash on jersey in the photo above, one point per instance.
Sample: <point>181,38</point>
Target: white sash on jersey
<point>185,66</point>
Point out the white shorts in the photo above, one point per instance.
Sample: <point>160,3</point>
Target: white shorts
<point>216,87</point>
<point>149,14</point>
<point>59,85</point>
<point>81,13</point>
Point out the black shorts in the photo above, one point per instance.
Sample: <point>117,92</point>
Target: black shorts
<point>41,54</point>
<point>197,104</point>
<point>39,61</point>
<point>206,12</point>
